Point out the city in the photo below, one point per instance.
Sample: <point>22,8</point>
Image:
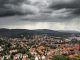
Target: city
<point>39,47</point>
<point>39,29</point>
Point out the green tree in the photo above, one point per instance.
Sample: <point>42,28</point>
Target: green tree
<point>60,57</point>
<point>29,54</point>
<point>11,57</point>
<point>20,58</point>
<point>22,50</point>
<point>4,58</point>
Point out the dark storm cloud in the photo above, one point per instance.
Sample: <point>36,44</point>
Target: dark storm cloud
<point>57,11</point>
<point>50,14</point>
<point>74,4</point>
<point>11,12</point>
<point>24,7</point>
<point>66,5</point>
<point>14,2</point>
<point>12,7</point>
<point>7,12</point>
<point>59,15</point>
<point>76,11</point>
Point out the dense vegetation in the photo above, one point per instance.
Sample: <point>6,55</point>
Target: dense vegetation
<point>62,57</point>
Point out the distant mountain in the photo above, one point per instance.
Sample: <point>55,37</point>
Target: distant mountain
<point>46,31</point>
<point>68,31</point>
<point>10,32</point>
<point>17,32</point>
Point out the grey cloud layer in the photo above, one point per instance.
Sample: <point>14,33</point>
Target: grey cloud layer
<point>58,14</point>
<point>74,4</point>
<point>14,7</point>
<point>62,4</point>
<point>61,15</point>
<point>23,7</point>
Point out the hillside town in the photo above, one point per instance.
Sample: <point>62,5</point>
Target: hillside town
<point>39,47</point>
<point>39,29</point>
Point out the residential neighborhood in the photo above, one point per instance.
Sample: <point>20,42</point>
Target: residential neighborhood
<point>39,47</point>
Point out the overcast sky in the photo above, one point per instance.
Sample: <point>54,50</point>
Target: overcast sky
<point>40,14</point>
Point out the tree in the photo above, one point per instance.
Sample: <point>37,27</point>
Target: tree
<point>11,57</point>
<point>22,50</point>
<point>29,54</point>
<point>60,57</point>
<point>4,58</point>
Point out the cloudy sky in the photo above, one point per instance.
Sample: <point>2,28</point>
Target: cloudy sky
<point>40,14</point>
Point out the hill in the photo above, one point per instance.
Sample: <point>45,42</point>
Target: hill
<point>17,32</point>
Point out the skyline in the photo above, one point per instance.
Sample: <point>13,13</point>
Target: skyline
<point>36,14</point>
